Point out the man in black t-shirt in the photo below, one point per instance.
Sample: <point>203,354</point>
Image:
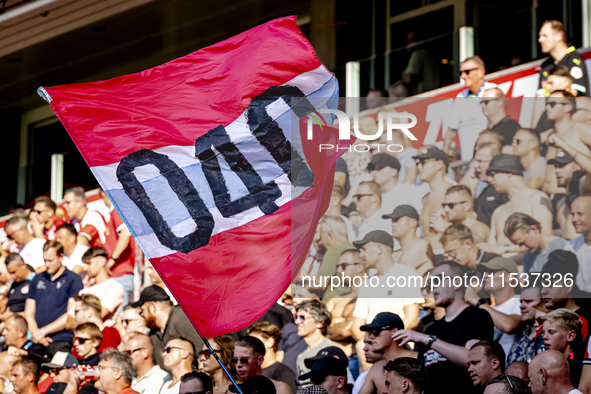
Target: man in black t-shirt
<point>493,106</point>
<point>486,198</point>
<point>270,335</point>
<point>445,347</point>
<point>552,39</point>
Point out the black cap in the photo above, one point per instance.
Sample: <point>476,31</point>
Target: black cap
<point>401,211</point>
<point>561,158</point>
<point>383,160</point>
<point>326,366</point>
<point>378,236</point>
<point>331,351</point>
<point>151,293</point>
<point>256,384</point>
<point>505,163</point>
<point>384,319</point>
<point>432,153</point>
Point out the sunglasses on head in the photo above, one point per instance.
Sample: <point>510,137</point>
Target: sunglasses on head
<point>243,360</point>
<point>206,353</point>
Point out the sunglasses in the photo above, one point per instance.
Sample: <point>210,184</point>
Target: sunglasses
<point>376,331</point>
<point>359,196</point>
<point>468,71</point>
<point>486,102</point>
<point>303,318</point>
<point>553,103</point>
<point>81,341</point>
<point>130,352</point>
<point>169,349</point>
<point>206,353</point>
<point>504,375</point>
<point>344,266</point>
<point>243,360</point>
<point>55,371</point>
<point>423,161</point>
<point>451,205</point>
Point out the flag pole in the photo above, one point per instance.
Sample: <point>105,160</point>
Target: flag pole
<point>239,391</point>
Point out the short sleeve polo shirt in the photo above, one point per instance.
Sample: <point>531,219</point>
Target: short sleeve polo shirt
<point>51,299</point>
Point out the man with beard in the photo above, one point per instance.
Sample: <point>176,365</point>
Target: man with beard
<point>565,169</point>
<point>164,321</point>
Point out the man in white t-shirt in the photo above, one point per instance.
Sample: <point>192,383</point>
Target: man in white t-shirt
<point>67,235</point>
<point>467,117</point>
<point>30,248</point>
<point>108,290</point>
<point>368,202</point>
<point>384,169</point>
<point>581,246</point>
<point>500,281</point>
<point>386,293</point>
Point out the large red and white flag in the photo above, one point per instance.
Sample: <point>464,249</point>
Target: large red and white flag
<point>202,159</point>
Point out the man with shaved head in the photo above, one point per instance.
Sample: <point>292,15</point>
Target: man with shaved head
<point>178,356</point>
<point>548,374</point>
<point>148,377</point>
<point>519,370</point>
<point>493,106</point>
<point>581,246</point>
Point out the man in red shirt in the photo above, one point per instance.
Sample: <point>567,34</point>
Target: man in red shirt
<point>44,221</point>
<point>90,224</point>
<point>120,246</point>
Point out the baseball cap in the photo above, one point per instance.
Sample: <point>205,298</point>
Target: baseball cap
<point>505,163</point>
<point>326,366</point>
<point>256,384</point>
<point>401,211</point>
<point>384,319</point>
<point>313,390</point>
<point>561,158</point>
<point>60,360</point>
<point>432,153</point>
<point>151,293</point>
<point>331,351</point>
<point>378,236</point>
<point>499,263</point>
<point>383,160</point>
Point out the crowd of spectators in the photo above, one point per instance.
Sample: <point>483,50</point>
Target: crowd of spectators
<point>78,315</point>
